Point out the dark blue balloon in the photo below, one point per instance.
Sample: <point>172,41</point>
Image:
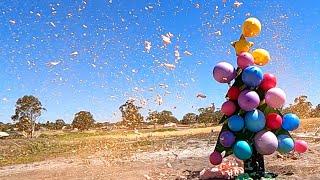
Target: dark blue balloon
<point>252,76</point>
<point>285,143</point>
<point>255,120</point>
<point>235,123</point>
<point>290,122</point>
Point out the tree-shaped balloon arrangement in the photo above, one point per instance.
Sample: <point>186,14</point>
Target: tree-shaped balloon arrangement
<point>253,125</point>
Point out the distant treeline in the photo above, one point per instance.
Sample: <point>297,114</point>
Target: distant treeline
<point>29,108</point>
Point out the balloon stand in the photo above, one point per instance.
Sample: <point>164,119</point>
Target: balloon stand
<point>254,167</point>
<point>253,124</point>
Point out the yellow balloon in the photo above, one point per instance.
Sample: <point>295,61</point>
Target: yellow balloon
<point>261,57</point>
<point>242,45</point>
<point>251,27</point>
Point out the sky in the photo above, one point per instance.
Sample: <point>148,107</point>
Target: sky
<point>92,55</point>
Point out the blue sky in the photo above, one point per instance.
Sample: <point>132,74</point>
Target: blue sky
<point>99,48</point>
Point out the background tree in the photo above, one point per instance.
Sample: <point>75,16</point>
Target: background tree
<point>28,110</point>
<point>162,117</point>
<point>301,107</point>
<point>59,124</point>
<point>217,115</point>
<point>189,118</point>
<point>316,112</point>
<point>49,125</point>
<point>206,115</point>
<point>83,120</point>
<point>153,117</point>
<point>167,117</point>
<point>131,116</point>
<point>5,127</point>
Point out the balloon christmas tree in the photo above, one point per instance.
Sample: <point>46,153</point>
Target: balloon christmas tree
<point>253,124</point>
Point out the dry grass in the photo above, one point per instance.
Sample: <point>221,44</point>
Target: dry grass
<point>114,144</point>
<point>311,124</point>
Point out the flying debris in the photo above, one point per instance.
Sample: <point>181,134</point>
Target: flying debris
<point>147,46</point>
<point>187,53</point>
<point>52,64</point>
<point>200,95</point>
<point>167,92</point>
<point>166,39</point>
<point>159,100</point>
<point>74,53</point>
<point>5,99</point>
<point>176,55</point>
<point>237,4</point>
<point>13,22</point>
<point>163,85</point>
<point>143,102</point>
<point>197,5</point>
<point>217,33</point>
<point>52,24</point>
<point>169,66</point>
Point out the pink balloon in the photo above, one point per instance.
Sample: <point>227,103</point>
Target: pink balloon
<point>244,60</point>
<point>224,72</point>
<point>228,108</point>
<point>248,100</point>
<point>215,158</point>
<point>265,142</point>
<point>275,97</point>
<point>300,146</point>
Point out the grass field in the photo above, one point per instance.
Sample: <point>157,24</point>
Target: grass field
<point>115,143</point>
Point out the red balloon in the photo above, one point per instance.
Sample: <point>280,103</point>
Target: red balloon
<point>215,158</point>
<point>300,146</point>
<point>228,108</point>
<point>274,121</point>
<point>233,93</point>
<point>269,81</point>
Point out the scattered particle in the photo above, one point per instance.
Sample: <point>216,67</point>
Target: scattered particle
<point>217,33</point>
<point>169,66</point>
<point>52,64</point>
<point>147,46</point>
<point>187,53</point>
<point>74,53</point>
<point>166,39</point>
<point>201,96</point>
<point>237,4</point>
<point>52,24</point>
<point>13,22</point>
<point>159,100</point>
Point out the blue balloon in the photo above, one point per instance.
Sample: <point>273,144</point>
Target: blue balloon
<point>255,120</point>
<point>242,150</point>
<point>285,143</point>
<point>252,76</point>
<point>235,123</point>
<point>290,122</point>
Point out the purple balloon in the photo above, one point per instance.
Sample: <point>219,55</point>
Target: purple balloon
<point>227,138</point>
<point>244,60</point>
<point>248,100</point>
<point>265,142</point>
<point>224,72</point>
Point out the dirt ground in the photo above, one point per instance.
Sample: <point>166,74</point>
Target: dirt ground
<point>180,160</point>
